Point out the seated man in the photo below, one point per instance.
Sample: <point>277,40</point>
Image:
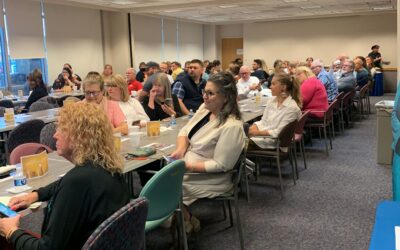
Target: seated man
<point>133,84</point>
<point>361,73</point>
<point>258,70</point>
<point>346,81</point>
<point>152,68</point>
<point>189,88</point>
<point>176,69</point>
<point>247,85</point>
<point>164,69</point>
<point>331,88</point>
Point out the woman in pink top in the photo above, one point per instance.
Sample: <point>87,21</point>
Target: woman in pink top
<point>313,92</point>
<point>93,87</point>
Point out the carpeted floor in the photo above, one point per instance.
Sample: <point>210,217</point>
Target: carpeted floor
<point>331,207</point>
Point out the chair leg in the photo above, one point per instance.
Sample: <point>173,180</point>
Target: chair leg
<point>230,213</point>
<point>292,159</point>
<point>330,136</point>
<point>181,222</point>
<point>246,182</point>
<point>326,142</point>
<point>224,209</point>
<point>280,175</point>
<point>303,152</point>
<point>238,223</point>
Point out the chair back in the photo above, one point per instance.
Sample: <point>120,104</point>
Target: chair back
<point>347,98</point>
<point>49,99</point>
<point>28,131</point>
<point>164,190</point>
<point>364,90</point>
<point>122,230</point>
<point>287,133</point>
<point>37,106</point>
<point>329,111</point>
<point>46,135</point>
<point>301,122</point>
<point>27,149</point>
<point>6,104</point>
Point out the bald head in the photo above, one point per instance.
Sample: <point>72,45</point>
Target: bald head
<point>244,72</point>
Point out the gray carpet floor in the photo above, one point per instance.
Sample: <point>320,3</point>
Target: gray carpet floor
<point>331,207</point>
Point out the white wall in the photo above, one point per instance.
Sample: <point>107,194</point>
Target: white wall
<point>116,41</point>
<point>73,36</point>
<point>321,38</point>
<point>187,44</point>
<point>210,42</point>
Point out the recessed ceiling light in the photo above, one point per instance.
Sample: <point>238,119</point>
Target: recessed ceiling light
<point>170,11</point>
<point>295,1</point>
<point>383,8</point>
<point>228,6</point>
<point>311,7</point>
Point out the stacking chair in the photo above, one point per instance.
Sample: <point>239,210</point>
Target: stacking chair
<point>164,193</point>
<point>47,135</point>
<point>123,230</point>
<point>28,131</point>
<point>325,123</point>
<point>38,106</point>
<point>337,112</point>
<point>361,100</point>
<point>346,107</point>
<point>27,149</point>
<point>298,138</point>
<point>50,100</point>
<point>284,140</point>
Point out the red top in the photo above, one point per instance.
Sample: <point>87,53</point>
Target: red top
<point>134,85</point>
<point>314,96</point>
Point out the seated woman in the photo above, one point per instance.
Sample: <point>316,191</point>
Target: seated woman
<point>312,91</point>
<point>117,90</point>
<point>37,86</point>
<point>93,88</point>
<point>280,110</point>
<point>160,103</point>
<point>66,79</point>
<point>211,143</point>
<point>107,72</point>
<point>86,196</point>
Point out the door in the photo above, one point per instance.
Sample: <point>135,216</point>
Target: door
<point>232,48</point>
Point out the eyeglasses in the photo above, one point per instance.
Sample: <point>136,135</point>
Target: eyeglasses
<point>92,93</point>
<point>208,93</point>
<point>110,86</point>
<point>244,73</point>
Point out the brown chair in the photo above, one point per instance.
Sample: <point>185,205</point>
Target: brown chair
<point>346,107</point>
<point>362,100</point>
<point>325,123</point>
<point>298,138</point>
<point>337,112</point>
<point>284,140</point>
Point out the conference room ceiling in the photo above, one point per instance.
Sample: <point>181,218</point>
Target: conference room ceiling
<point>234,11</point>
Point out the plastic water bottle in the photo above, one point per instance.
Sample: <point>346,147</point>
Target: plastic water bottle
<point>172,123</point>
<point>191,114</point>
<point>19,177</point>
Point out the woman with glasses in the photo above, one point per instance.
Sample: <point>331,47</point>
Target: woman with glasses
<point>117,90</point>
<point>93,87</point>
<point>211,143</point>
<point>161,103</point>
<point>86,196</point>
<point>312,91</point>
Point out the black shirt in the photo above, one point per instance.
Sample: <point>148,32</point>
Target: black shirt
<point>77,204</point>
<point>158,113</point>
<point>36,94</point>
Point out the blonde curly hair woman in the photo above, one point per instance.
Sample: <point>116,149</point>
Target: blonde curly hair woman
<point>86,196</point>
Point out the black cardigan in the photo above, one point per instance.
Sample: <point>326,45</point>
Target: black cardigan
<point>77,204</point>
<point>158,113</point>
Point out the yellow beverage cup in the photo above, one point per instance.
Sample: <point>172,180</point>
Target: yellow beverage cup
<point>117,141</point>
<point>153,128</point>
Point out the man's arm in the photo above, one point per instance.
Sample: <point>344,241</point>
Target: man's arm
<point>185,111</point>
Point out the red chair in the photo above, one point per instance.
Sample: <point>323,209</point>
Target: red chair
<point>27,149</point>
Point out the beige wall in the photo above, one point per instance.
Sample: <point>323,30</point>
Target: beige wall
<point>210,42</point>
<point>321,38</point>
<point>116,41</point>
<point>73,36</point>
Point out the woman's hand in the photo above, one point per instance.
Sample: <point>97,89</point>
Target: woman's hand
<point>178,154</point>
<point>9,225</point>
<point>23,201</point>
<point>253,130</point>
<point>167,109</point>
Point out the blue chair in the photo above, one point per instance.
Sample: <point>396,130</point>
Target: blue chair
<point>123,230</point>
<point>164,193</point>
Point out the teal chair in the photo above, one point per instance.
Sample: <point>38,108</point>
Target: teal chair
<point>164,193</point>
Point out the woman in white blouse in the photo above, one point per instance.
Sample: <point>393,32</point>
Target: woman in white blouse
<point>281,109</point>
<point>211,143</point>
<point>117,90</point>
